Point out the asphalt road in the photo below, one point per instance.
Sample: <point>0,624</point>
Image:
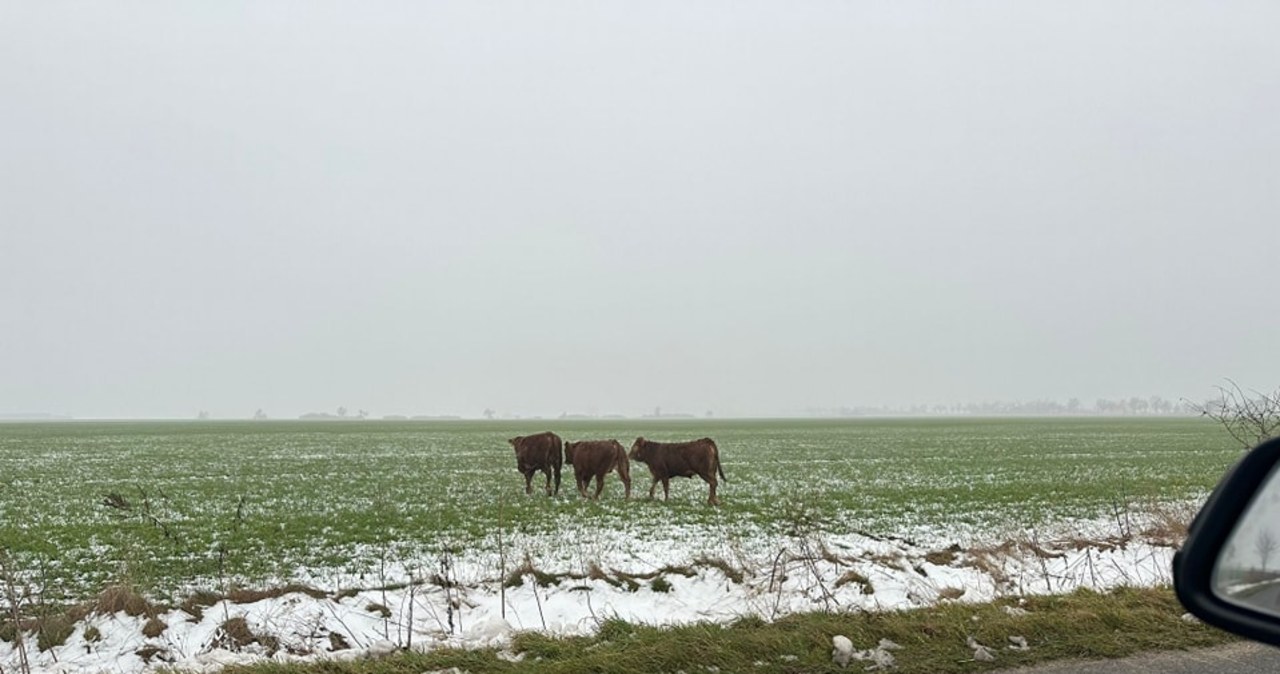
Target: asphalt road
<point>1267,599</point>
<point>1245,657</point>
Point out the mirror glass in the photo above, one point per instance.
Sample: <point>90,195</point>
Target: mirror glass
<point>1248,568</point>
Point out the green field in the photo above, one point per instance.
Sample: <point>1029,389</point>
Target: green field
<point>257,501</point>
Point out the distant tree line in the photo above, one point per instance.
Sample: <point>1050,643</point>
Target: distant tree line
<point>1134,406</point>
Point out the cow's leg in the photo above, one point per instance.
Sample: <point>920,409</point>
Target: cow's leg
<point>666,489</point>
<point>599,486</point>
<point>528,482</point>
<point>711,498</point>
<point>583,481</point>
<point>547,472</point>
<point>626,481</point>
<point>653,486</point>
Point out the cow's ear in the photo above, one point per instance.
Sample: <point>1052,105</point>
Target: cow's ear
<point>513,441</point>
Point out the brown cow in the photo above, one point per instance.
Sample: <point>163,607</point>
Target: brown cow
<point>596,458</point>
<point>680,459</point>
<point>535,453</point>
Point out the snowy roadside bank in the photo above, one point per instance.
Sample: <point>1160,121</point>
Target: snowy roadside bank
<point>465,602</point>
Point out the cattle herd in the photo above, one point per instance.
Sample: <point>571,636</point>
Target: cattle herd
<point>590,459</point>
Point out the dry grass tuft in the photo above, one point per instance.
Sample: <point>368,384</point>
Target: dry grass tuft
<point>594,572</point>
<point>235,635</point>
<point>855,577</point>
<point>198,602</point>
<point>118,598</point>
<point>943,557</point>
<point>337,642</point>
<point>678,570</point>
<point>889,561</point>
<point>53,631</point>
<point>628,581</point>
<point>245,596</point>
<point>988,560</point>
<point>1168,524</point>
<point>728,570</point>
<point>154,628</point>
<point>540,577</point>
<point>831,557</point>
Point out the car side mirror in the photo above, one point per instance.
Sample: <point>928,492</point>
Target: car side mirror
<point>1228,570</point>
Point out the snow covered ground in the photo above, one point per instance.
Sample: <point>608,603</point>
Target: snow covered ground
<point>461,601</point>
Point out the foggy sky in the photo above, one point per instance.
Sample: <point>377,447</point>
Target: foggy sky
<point>604,207</point>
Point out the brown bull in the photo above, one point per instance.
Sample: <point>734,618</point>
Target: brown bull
<point>595,459</point>
<point>535,453</point>
<point>680,459</point>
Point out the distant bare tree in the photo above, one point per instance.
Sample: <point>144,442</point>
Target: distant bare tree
<point>1250,417</point>
<point>259,415</point>
<point>1265,545</point>
<point>488,413</point>
<point>342,411</point>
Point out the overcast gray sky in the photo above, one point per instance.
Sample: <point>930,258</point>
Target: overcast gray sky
<point>747,207</point>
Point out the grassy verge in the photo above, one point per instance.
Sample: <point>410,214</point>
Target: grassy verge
<point>1084,624</point>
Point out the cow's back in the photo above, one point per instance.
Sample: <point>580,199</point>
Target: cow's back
<point>541,450</point>
<point>596,457</point>
<point>686,459</point>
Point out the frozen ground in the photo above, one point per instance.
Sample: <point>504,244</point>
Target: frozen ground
<point>460,601</point>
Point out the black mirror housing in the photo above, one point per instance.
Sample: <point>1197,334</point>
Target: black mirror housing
<point>1194,564</point>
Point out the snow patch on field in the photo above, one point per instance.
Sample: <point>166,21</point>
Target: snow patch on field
<point>460,600</point>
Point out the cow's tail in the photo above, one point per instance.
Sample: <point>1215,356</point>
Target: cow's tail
<point>559,461</point>
<point>621,463</point>
<point>719,468</point>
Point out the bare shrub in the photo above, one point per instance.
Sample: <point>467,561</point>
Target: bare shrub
<point>1248,416</point>
<point>142,511</point>
<point>14,595</point>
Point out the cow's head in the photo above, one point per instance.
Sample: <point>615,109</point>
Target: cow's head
<point>515,443</point>
<point>568,451</point>
<point>641,450</point>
